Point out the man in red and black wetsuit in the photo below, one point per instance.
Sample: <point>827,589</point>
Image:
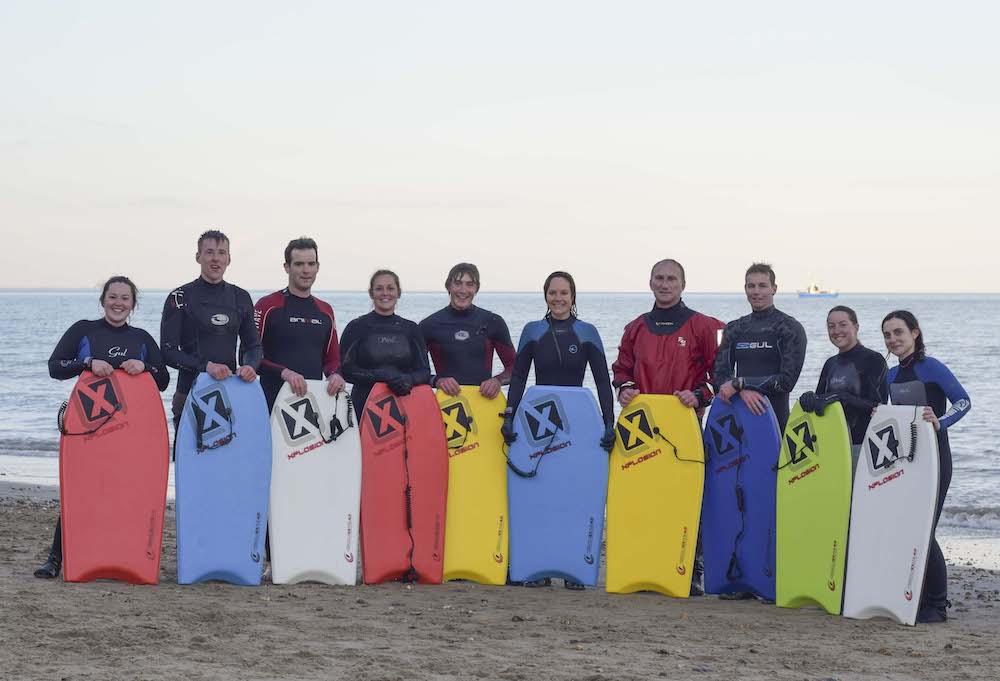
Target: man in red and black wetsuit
<point>297,330</point>
<point>461,339</point>
<point>669,350</point>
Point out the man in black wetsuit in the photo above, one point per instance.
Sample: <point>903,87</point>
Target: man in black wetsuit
<point>461,339</point>
<point>763,352</point>
<point>202,321</point>
<point>297,330</point>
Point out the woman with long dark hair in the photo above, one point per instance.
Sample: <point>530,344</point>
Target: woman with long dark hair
<point>922,380</point>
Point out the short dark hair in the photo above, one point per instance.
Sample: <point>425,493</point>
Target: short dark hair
<point>908,318</point>
<point>121,279</point>
<point>462,268</point>
<point>851,314</point>
<point>760,268</point>
<point>303,243</point>
<point>673,262</point>
<point>572,288</point>
<point>379,273</point>
<point>212,234</point>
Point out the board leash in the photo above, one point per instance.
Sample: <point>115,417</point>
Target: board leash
<point>505,448</point>
<point>199,418</point>
<point>336,427</point>
<point>61,420</point>
<point>411,575</point>
<point>657,433</point>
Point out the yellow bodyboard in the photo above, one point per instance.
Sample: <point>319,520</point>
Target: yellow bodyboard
<point>476,525</point>
<point>654,497</point>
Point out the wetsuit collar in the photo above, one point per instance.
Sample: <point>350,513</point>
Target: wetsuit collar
<point>909,361</point>
<point>111,327</point>
<point>201,281</point>
<point>461,313</point>
<point>679,306</point>
<point>766,312</point>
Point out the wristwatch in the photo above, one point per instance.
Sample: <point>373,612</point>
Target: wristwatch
<point>88,362</point>
<point>736,384</point>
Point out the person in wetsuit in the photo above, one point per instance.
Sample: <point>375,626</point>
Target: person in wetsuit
<point>855,377</point>
<point>669,350</point>
<point>763,352</point>
<point>920,380</point>
<point>103,346</point>
<point>297,330</point>
<point>560,346</point>
<point>202,321</point>
<point>381,346</point>
<point>462,338</point>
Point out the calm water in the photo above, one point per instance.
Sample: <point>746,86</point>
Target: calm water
<point>963,331</point>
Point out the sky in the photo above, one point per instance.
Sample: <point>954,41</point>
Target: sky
<point>854,143</point>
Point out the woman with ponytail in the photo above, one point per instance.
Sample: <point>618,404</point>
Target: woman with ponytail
<point>924,381</point>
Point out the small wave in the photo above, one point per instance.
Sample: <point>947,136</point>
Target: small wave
<point>25,446</point>
<point>977,517</point>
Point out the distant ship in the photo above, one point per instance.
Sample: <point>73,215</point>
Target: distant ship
<point>814,291</point>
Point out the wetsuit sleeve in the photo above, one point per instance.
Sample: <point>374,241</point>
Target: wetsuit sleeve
<point>708,340</point>
<point>874,389</point>
<point>624,366</point>
<point>821,384</point>
<point>66,360</point>
<point>350,368</point>
<point>171,329</point>
<point>261,314</point>
<point>499,335</point>
<point>521,368</point>
<point>723,371</point>
<point>251,351</point>
<point>331,360</point>
<point>599,368</point>
<point>421,374</point>
<point>933,371</point>
<point>154,362</point>
<point>792,346</point>
<point>432,349</point>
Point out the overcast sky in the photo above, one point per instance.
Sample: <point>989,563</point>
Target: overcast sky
<point>857,143</point>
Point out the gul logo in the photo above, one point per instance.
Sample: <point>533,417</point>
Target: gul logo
<point>544,418</point>
<point>299,419</point>
<point>908,594</point>
<point>458,421</point>
<point>681,568</point>
<point>754,345</point>
<point>385,418</point>
<point>220,319</point>
<point>348,554</point>
<point>118,351</point>
<point>726,434</point>
<point>635,429</point>
<point>883,445</point>
<point>99,399</point>
<point>588,556</point>
<point>498,553</point>
<point>211,409</point>
<point>462,335</point>
<point>800,441</point>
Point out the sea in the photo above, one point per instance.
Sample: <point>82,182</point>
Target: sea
<point>963,331</point>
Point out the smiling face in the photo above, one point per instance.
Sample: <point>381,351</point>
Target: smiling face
<point>461,291</point>
<point>213,256</point>
<point>384,294</point>
<point>899,340</point>
<point>667,283</point>
<point>843,332</point>
<point>760,291</point>
<point>302,270</point>
<point>118,303</point>
<point>559,298</point>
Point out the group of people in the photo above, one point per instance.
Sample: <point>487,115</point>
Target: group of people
<point>290,336</point>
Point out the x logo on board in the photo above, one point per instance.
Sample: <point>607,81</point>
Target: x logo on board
<point>884,447</point>
<point>544,419</point>
<point>300,418</point>
<point>635,429</point>
<point>726,433</point>
<point>98,399</point>
<point>385,417</point>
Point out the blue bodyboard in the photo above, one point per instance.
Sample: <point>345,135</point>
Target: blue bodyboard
<point>739,508</point>
<point>223,478</point>
<point>557,515</point>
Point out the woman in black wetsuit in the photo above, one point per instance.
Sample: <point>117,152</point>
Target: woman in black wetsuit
<point>855,377</point>
<point>381,346</point>
<point>561,346</point>
<point>922,380</point>
<point>102,346</point>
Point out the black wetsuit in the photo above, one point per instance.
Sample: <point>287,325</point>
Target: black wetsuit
<point>927,382</point>
<point>201,323</point>
<point>766,349</point>
<point>858,379</point>
<point>377,348</point>
<point>97,339</point>
<point>561,350</point>
<point>462,343</point>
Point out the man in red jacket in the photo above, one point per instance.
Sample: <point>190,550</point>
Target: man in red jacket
<point>669,350</point>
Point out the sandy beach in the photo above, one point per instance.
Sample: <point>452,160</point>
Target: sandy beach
<point>108,630</point>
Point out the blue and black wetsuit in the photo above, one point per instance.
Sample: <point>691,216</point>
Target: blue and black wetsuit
<point>927,382</point>
<point>462,343</point>
<point>858,380</point>
<point>561,349</point>
<point>377,348</point>
<point>88,340</point>
<point>766,349</point>
<point>201,323</point>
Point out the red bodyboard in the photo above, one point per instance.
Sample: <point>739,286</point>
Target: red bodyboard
<point>403,438</point>
<point>113,481</point>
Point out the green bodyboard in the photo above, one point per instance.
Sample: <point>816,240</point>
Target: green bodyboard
<point>814,509</point>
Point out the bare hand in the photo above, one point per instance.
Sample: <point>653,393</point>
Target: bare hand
<point>101,368</point>
<point>489,388</point>
<point>754,401</point>
<point>931,418</point>
<point>247,373</point>
<point>219,372</point>
<point>335,384</point>
<point>687,398</point>
<point>449,385</point>
<point>626,395</point>
<point>727,391</point>
<point>133,367</point>
<point>296,381</point>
